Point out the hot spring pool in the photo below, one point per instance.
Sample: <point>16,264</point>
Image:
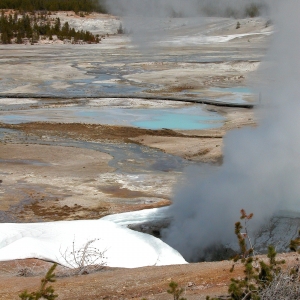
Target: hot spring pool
<point>191,117</point>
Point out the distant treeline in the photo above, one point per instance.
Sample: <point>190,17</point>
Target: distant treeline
<point>54,5</point>
<point>16,29</point>
<point>250,10</point>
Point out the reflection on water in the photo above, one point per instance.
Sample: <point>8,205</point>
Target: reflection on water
<point>193,117</point>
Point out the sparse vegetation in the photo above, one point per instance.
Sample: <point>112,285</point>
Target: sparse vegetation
<point>44,291</point>
<point>252,10</point>
<point>84,260</point>
<point>54,5</point>
<point>262,280</point>
<point>284,286</point>
<point>175,291</point>
<point>22,28</point>
<point>259,275</point>
<point>295,244</point>
<point>25,272</point>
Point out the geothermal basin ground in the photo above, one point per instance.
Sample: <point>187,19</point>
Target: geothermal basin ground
<point>88,131</point>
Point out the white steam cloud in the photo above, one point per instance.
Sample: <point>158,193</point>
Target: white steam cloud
<point>187,8</point>
<point>146,19</point>
<point>261,169</point>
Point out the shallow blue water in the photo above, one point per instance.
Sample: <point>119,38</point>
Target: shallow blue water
<point>192,117</point>
<point>156,118</point>
<point>179,119</point>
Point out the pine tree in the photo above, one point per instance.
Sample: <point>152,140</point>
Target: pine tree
<point>44,291</point>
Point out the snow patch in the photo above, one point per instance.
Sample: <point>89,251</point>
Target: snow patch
<point>49,241</point>
<point>140,216</point>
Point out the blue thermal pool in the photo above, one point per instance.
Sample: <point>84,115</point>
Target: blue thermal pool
<point>191,117</point>
<point>179,119</point>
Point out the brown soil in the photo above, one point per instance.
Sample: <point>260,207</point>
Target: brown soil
<point>118,192</point>
<point>202,144</point>
<point>204,148</point>
<point>197,279</point>
<point>89,131</point>
<point>48,211</point>
<point>51,183</point>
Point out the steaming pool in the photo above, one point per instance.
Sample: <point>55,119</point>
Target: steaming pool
<point>185,118</point>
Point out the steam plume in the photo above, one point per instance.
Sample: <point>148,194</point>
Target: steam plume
<point>261,169</point>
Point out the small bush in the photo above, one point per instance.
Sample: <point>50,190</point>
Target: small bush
<point>259,275</point>
<point>175,291</point>
<point>284,286</point>
<point>84,260</point>
<point>44,292</point>
<point>25,272</point>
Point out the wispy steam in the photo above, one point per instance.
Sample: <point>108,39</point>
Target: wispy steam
<point>146,19</point>
<point>261,169</point>
<point>187,8</point>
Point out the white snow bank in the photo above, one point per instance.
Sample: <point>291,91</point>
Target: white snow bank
<point>49,241</point>
<point>140,216</point>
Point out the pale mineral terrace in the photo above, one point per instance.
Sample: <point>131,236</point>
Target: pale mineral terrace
<point>63,169</point>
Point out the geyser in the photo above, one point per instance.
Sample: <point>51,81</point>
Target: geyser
<point>261,169</point>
